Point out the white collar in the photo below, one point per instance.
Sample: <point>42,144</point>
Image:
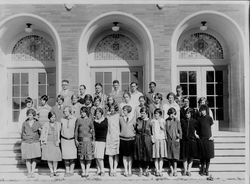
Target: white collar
<point>99,120</point>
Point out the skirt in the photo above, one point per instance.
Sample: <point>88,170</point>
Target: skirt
<point>69,150</point>
<point>112,148</point>
<point>160,148</point>
<point>173,149</point>
<point>189,149</point>
<point>206,148</point>
<point>30,150</point>
<point>51,152</point>
<point>127,147</point>
<point>99,149</point>
<point>143,148</point>
<point>86,150</point>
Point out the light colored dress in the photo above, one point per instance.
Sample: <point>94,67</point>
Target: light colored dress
<point>69,150</point>
<point>113,139</point>
<point>50,142</point>
<point>76,109</point>
<point>43,112</point>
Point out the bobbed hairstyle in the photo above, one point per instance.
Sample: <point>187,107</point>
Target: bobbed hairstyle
<point>85,109</point>
<point>171,111</point>
<point>50,114</point>
<point>158,110</point>
<point>128,108</point>
<point>31,111</point>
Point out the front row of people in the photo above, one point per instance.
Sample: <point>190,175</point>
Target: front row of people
<point>142,140</point>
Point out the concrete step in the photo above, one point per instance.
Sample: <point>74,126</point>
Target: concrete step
<point>229,152</point>
<point>226,145</point>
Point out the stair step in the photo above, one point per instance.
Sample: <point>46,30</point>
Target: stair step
<point>227,145</point>
<point>229,140</point>
<point>230,152</point>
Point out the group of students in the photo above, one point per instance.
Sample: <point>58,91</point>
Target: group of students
<point>136,126</point>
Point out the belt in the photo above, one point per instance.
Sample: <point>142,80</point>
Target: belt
<point>67,138</point>
<point>127,138</point>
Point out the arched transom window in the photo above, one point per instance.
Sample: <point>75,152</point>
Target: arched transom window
<point>116,47</point>
<point>200,46</point>
<point>33,47</point>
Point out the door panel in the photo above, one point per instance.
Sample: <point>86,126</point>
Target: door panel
<point>210,82</point>
<point>124,75</point>
<point>29,83</point>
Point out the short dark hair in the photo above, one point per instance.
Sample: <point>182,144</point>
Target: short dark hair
<point>60,97</point>
<point>116,81</point>
<point>158,110</point>
<point>98,98</point>
<point>50,114</point>
<point>203,108</point>
<point>64,80</point>
<point>98,84</point>
<point>189,110</point>
<point>144,109</point>
<point>170,94</point>
<point>201,99</point>
<point>144,97</point>
<point>98,109</point>
<point>115,106</point>
<point>158,95</point>
<point>171,111</point>
<point>127,108</point>
<point>133,83</point>
<point>28,100</point>
<point>31,111</point>
<point>87,97</point>
<point>74,95</point>
<point>44,97</point>
<point>152,82</point>
<point>85,109</point>
<point>82,85</point>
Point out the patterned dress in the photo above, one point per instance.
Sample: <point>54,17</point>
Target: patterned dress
<point>113,139</point>
<point>85,134</point>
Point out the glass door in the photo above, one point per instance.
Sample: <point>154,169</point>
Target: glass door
<point>209,82</point>
<point>29,83</point>
<point>124,75</point>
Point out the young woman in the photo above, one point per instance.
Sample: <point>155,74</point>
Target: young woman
<point>43,110</point>
<point>127,138</point>
<point>159,141</point>
<point>23,113</point>
<point>97,104</point>
<point>50,139</point>
<point>171,103</point>
<point>75,106</point>
<point>143,142</point>
<point>156,104</point>
<point>101,128</point>
<point>127,101</point>
<point>58,108</point>
<point>88,103</point>
<point>69,151</point>
<point>142,103</point>
<point>205,123</point>
<point>84,139</point>
<point>30,146</point>
<point>189,149</point>
<point>174,134</point>
<point>113,140</point>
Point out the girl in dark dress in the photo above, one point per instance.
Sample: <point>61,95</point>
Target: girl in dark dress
<point>189,148</point>
<point>174,134</point>
<point>84,139</point>
<point>143,143</point>
<point>205,123</point>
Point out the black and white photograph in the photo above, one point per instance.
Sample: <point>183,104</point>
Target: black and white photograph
<point>107,92</point>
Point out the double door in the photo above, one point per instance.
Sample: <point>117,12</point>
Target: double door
<point>32,83</point>
<point>125,76</point>
<point>210,82</point>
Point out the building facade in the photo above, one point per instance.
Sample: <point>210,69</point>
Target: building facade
<point>163,43</point>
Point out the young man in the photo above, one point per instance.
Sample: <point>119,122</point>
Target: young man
<point>82,94</point>
<point>151,94</point>
<point>117,93</point>
<point>99,92</point>
<point>135,94</point>
<point>66,93</point>
<point>179,96</point>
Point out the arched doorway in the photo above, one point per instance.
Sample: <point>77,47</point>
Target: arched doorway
<point>209,63</point>
<point>106,55</point>
<point>30,62</point>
